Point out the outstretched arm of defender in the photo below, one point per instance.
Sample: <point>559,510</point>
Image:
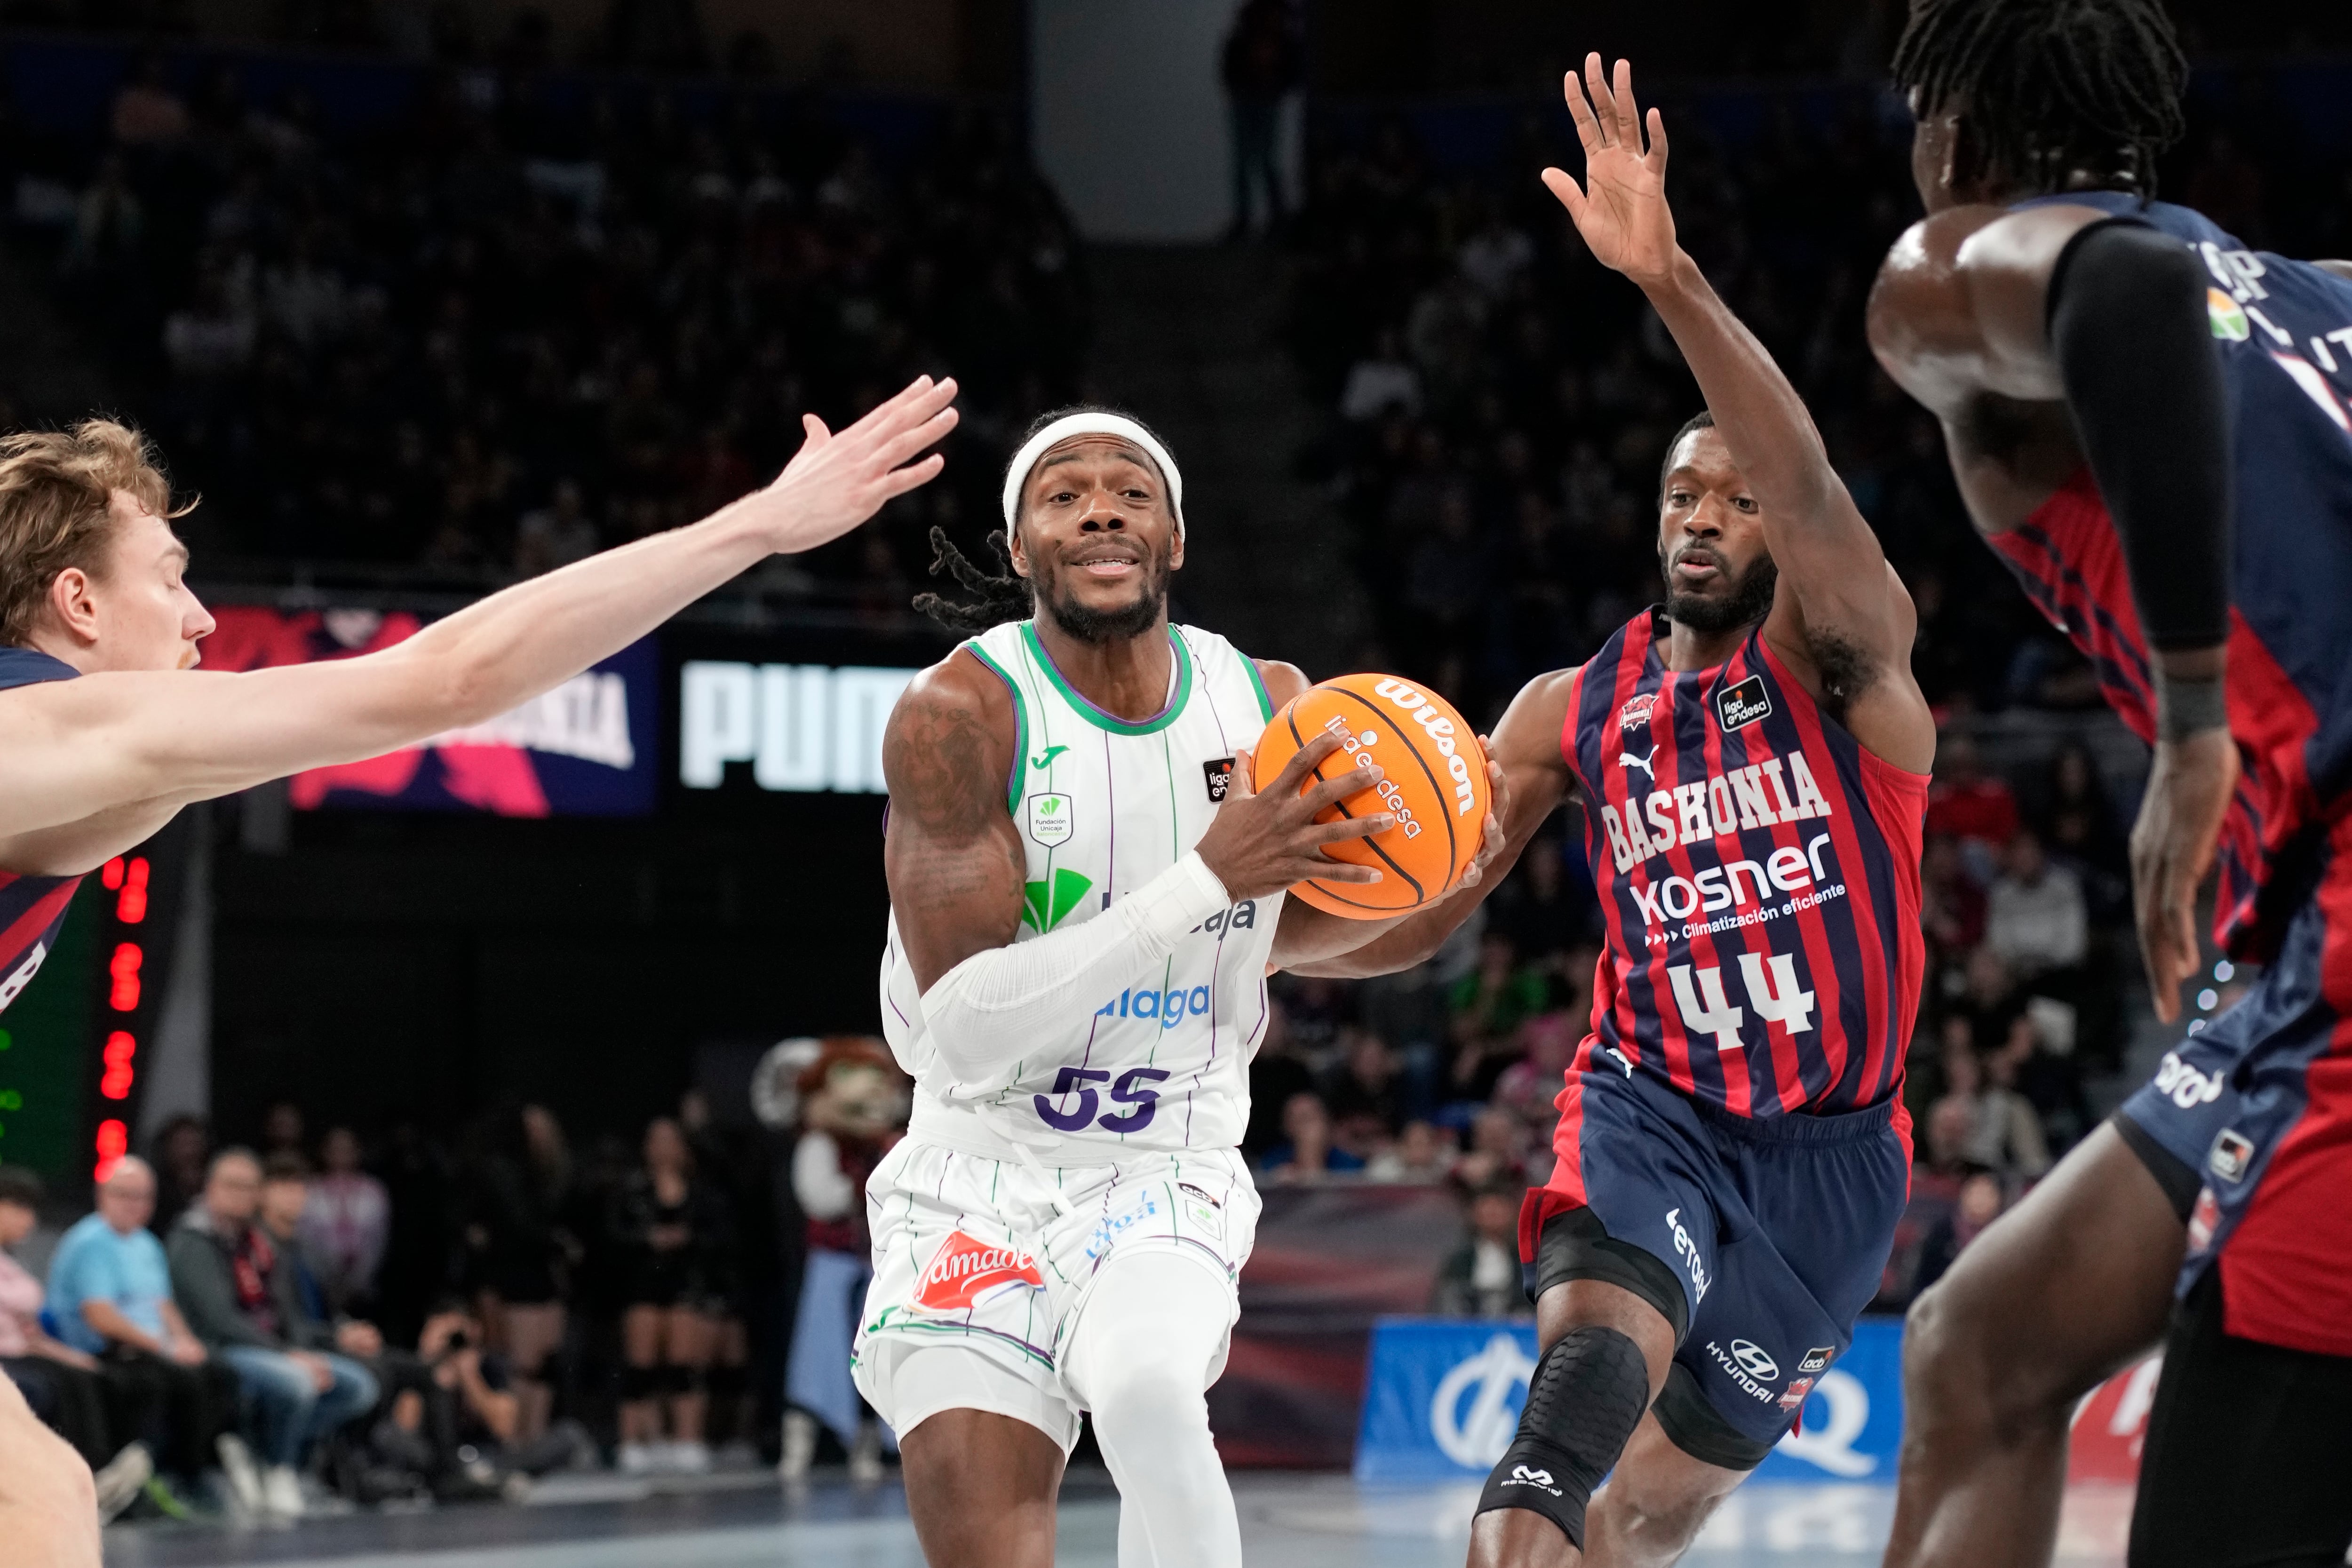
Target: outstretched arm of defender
<point>72,749</point>
<point>2062,302</point>
<point>1838,585</point>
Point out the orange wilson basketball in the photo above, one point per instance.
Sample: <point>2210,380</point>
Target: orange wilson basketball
<point>1434,784</point>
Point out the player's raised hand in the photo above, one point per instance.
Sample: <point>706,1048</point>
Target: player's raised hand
<point>2190,784</point>
<point>1621,209</point>
<point>839,479</point>
<point>1261,843</point>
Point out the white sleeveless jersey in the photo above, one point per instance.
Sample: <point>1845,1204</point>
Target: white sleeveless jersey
<point>1102,806</point>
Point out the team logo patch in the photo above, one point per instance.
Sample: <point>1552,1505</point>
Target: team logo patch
<point>2232,1155</point>
<point>1739,706</point>
<point>1793,1397</point>
<point>2222,314</point>
<point>966,1271</point>
<point>1636,711</point>
<point>1050,819</point>
<point>1219,772</point>
<point>1204,1210</point>
<point>1819,1357</point>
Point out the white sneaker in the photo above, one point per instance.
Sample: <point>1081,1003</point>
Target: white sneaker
<point>691,1458</point>
<point>637,1458</point>
<point>866,1454</point>
<point>800,1447</point>
<point>281,1491</point>
<point>244,1477</point>
<point>122,1478</point>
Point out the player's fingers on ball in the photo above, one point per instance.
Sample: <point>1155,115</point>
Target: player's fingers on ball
<point>1328,870</point>
<point>1237,786</point>
<point>1347,785</point>
<point>1303,762</point>
<point>1349,827</point>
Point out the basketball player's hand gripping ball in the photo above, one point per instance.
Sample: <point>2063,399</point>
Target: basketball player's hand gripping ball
<point>1435,786</point>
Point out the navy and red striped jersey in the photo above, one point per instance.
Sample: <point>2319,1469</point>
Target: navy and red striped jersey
<point>1759,871</point>
<point>2284,331</point>
<point>31,908</point>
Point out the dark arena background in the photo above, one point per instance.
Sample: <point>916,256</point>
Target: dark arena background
<point>426,297</point>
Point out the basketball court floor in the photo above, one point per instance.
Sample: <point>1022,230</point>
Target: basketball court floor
<point>748,1521</point>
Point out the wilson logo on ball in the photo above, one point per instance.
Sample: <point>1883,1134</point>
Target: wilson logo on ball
<point>1434,784</point>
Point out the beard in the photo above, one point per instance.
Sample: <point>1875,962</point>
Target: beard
<point>1750,600</point>
<point>1122,624</point>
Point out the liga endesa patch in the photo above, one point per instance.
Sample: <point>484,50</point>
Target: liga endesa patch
<point>965,1271</point>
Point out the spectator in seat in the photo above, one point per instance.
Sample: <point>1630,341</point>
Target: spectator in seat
<point>1260,68</point>
<point>1481,1278</point>
<point>1488,1005</point>
<point>1951,905</point>
<point>346,1220</point>
<point>109,1295</point>
<point>671,1232</point>
<point>67,1388</point>
<point>518,1249</point>
<point>2005,1135</point>
<point>1968,804</point>
<point>1421,1157</point>
<point>1363,1093</point>
<point>1382,380</point>
<point>184,1147</point>
<point>1980,1202</point>
<point>1307,1154</point>
<point>2035,915</point>
<point>242,1301</point>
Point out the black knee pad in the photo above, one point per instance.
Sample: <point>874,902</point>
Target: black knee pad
<point>1585,1399</point>
<point>725,1382</point>
<point>681,1380</point>
<point>638,1382</point>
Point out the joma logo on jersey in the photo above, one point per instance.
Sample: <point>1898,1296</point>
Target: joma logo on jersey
<point>1752,797</point>
<point>1417,708</point>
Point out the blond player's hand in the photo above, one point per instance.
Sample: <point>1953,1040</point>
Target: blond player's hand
<point>1621,209</point>
<point>839,479</point>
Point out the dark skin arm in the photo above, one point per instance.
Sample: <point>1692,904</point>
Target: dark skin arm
<point>1842,620</point>
<point>1958,318</point>
<point>1531,780</point>
<point>954,857</point>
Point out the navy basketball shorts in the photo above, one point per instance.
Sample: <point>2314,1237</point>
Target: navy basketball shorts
<point>1759,1240</point>
<point>2258,1110</point>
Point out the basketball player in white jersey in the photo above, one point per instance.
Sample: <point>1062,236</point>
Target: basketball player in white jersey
<point>1086,900</point>
<point>107,729</point>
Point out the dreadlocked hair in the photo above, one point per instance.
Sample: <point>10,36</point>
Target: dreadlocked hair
<point>2051,86</point>
<point>1000,599</point>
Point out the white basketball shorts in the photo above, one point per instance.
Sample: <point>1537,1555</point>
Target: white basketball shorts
<point>979,1278</point>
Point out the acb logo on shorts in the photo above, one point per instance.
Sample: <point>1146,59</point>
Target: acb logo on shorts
<point>965,1271</point>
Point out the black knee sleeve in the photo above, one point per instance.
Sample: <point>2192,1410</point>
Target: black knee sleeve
<point>681,1380</point>
<point>1585,1399</point>
<point>725,1382</point>
<point>641,1382</point>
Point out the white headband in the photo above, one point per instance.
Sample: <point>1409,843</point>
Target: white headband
<point>1017,474</point>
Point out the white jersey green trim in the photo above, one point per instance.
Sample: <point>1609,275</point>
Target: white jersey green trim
<point>1102,805</point>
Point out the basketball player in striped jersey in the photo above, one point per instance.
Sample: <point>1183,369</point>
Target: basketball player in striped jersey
<point>107,728</point>
<point>1752,757</point>
<point>1085,899</point>
<point>2152,424</point>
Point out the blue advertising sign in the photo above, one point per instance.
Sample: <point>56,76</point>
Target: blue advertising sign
<point>1442,1400</point>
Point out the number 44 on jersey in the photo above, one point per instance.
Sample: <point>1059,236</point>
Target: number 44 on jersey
<point>1774,996</point>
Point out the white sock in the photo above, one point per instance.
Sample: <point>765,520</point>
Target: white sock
<point>1143,1353</point>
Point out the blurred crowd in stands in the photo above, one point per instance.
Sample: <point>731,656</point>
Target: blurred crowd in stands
<point>533,315</point>
<point>260,1330</point>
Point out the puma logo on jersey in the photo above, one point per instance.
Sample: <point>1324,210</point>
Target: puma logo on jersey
<point>1627,759</point>
<point>23,974</point>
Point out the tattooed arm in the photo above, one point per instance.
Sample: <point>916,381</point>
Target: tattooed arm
<point>952,853</point>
